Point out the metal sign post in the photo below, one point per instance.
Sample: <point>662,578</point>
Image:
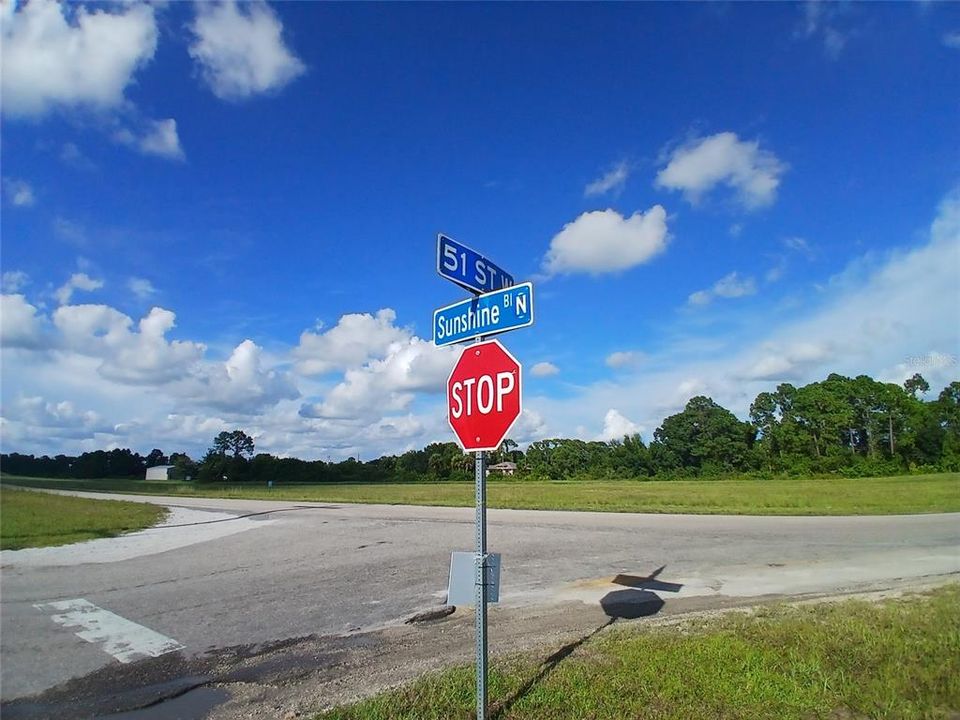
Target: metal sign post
<point>483,398</point>
<point>481,582</point>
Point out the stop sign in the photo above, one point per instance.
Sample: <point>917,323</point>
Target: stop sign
<point>483,395</point>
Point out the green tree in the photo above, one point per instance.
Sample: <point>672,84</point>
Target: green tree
<point>916,384</point>
<point>155,457</point>
<point>183,467</point>
<point>948,410</point>
<point>706,437</point>
<point>236,444</point>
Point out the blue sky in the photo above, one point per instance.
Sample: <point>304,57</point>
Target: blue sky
<point>225,215</point>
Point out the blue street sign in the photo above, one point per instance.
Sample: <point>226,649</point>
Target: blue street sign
<point>489,314</point>
<point>468,268</point>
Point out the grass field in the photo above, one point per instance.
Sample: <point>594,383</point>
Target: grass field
<point>32,519</point>
<point>899,659</point>
<point>786,496</point>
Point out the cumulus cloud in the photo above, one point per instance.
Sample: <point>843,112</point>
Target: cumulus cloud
<point>779,361</point>
<point>702,164</point>
<point>18,192</point>
<point>387,385</point>
<point>729,286</point>
<point>611,181</point>
<point>141,356</point>
<point>157,137</point>
<point>242,384</point>
<point>13,281</point>
<point>77,281</point>
<point>604,241</point>
<point>60,420</point>
<point>544,369</point>
<point>354,340</point>
<point>20,327</point>
<point>616,426</point>
<point>240,49</point>
<point>624,359</point>
<point>529,426</point>
<point>63,55</point>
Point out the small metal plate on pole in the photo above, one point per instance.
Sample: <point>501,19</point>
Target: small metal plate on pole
<point>462,584</point>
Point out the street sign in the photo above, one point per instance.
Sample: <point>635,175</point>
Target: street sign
<point>468,268</point>
<point>488,314</point>
<point>483,395</point>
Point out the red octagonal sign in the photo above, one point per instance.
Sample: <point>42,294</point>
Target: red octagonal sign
<point>483,395</point>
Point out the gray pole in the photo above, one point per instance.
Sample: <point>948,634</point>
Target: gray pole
<point>481,584</point>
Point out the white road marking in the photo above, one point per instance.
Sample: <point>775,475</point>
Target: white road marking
<point>125,640</point>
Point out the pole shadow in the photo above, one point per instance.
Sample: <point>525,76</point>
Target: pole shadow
<point>637,601</point>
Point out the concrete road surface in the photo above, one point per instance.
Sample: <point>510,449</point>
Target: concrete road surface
<point>233,584</point>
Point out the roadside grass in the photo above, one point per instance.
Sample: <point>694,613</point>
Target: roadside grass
<point>854,659</point>
<point>782,496</point>
<point>34,519</point>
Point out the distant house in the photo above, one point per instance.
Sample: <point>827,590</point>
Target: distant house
<point>159,472</point>
<point>504,468</point>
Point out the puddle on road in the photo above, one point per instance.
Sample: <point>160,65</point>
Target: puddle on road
<point>192,705</point>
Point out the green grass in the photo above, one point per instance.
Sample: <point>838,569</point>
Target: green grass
<point>782,496</point>
<point>899,659</point>
<point>33,519</point>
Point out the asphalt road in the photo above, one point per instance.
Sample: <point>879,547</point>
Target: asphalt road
<point>214,579</point>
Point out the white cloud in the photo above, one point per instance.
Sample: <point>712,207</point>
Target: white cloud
<point>387,385</point>
<point>141,287</point>
<point>544,369</point>
<point>19,325</point>
<point>60,420</point>
<point>786,361</point>
<point>14,280</point>
<point>354,340</point>
<point>50,62</point>
<point>139,357</point>
<point>624,359</point>
<point>733,286</point>
<point>18,192</point>
<point>240,49</point>
<point>698,166</point>
<point>729,286</point>
<point>77,281</point>
<point>615,426</point>
<point>158,138</point>
<point>241,384</point>
<point>952,39</point>
<point>612,181</point>
<point>604,241</point>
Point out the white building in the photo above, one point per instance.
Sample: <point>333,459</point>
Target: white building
<point>159,472</point>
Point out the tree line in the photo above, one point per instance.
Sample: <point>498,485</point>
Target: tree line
<point>853,426</point>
